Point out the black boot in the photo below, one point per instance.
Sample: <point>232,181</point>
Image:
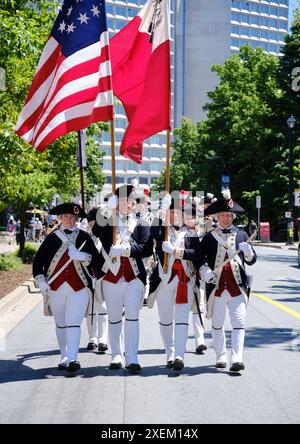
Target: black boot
<point>200,349</point>
<point>237,367</point>
<point>73,366</point>
<point>178,365</point>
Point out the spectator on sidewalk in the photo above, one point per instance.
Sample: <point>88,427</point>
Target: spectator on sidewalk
<point>252,227</point>
<point>18,232</point>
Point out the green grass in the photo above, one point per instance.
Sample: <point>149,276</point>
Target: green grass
<point>10,262</point>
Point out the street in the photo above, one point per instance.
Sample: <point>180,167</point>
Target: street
<point>268,391</point>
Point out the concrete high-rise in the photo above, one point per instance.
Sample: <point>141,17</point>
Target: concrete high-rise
<point>208,32</point>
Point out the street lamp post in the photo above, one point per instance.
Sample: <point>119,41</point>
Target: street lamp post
<point>290,228</point>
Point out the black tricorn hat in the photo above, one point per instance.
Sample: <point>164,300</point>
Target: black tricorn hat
<point>92,214</point>
<point>68,208</point>
<point>224,205</point>
<point>125,191</point>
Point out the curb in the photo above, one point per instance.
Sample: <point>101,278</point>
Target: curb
<point>16,306</point>
<point>279,247</point>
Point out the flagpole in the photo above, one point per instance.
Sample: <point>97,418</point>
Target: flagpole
<point>113,174</point>
<point>168,188</point>
<point>81,169</point>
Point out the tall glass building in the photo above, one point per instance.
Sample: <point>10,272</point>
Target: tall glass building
<point>210,31</point>
<point>259,23</point>
<point>119,13</point>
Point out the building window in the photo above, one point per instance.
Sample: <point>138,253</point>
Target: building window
<point>245,31</point>
<point>263,21</point>
<point>235,17</point>
<point>273,48</point>
<point>254,33</point>
<point>272,23</point>
<point>272,36</point>
<point>283,25</point>
<point>143,180</point>
<point>254,20</point>
<point>272,10</point>
<point>254,7</point>
<point>263,34</point>
<point>263,9</point>
<point>244,18</point>
<point>234,29</point>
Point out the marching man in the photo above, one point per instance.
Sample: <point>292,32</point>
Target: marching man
<point>123,275</point>
<point>224,252</point>
<point>173,289</point>
<point>190,221</point>
<point>62,270</point>
<point>97,319</point>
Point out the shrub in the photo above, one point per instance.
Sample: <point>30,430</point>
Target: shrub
<point>29,252</point>
<point>10,262</point>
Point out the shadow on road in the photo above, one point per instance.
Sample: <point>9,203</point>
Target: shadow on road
<point>262,337</point>
<point>278,258</point>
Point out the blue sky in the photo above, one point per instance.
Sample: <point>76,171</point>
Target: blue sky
<point>293,4</point>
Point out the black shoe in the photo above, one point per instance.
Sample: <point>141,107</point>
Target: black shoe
<point>237,367</point>
<point>115,365</point>
<point>62,366</point>
<point>73,366</point>
<point>102,348</point>
<point>91,346</point>
<point>200,349</point>
<point>221,364</point>
<point>178,365</point>
<point>170,364</point>
<point>133,367</point>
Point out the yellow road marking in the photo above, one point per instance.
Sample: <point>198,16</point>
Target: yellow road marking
<point>277,304</point>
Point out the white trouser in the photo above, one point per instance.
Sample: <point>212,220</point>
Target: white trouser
<point>68,308</point>
<point>198,329</point>
<point>97,324</point>
<point>168,312</point>
<point>237,312</point>
<point>127,295</point>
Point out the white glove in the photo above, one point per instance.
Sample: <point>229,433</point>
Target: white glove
<point>246,249</point>
<point>112,202</point>
<point>208,276</point>
<point>166,202</point>
<point>77,255</point>
<point>167,247</point>
<point>44,287</point>
<point>116,251</point>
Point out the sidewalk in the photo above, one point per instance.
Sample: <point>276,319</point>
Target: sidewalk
<point>279,245</point>
<point>5,248</point>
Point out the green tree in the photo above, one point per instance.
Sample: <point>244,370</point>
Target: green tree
<point>25,175</point>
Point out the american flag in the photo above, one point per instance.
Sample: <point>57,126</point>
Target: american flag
<point>72,86</point>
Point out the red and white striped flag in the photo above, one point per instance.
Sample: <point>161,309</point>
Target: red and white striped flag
<point>72,87</point>
<point>141,68</point>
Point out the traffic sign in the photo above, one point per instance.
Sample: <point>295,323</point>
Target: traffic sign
<point>288,215</point>
<point>258,202</point>
<point>225,183</point>
<point>297,197</point>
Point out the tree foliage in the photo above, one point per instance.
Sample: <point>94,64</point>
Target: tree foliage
<point>245,133</point>
<point>25,175</point>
